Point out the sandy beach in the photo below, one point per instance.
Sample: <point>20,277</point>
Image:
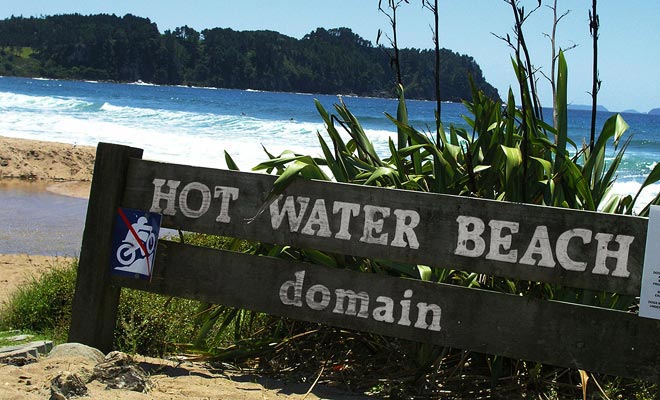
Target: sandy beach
<point>67,170</point>
<point>57,167</point>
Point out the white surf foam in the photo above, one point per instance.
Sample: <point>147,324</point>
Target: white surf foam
<point>631,187</point>
<point>188,137</point>
<point>15,101</point>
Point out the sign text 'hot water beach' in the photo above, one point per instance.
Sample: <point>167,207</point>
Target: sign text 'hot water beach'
<point>475,237</point>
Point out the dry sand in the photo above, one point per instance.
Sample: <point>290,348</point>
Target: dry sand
<point>169,379</point>
<point>67,169</point>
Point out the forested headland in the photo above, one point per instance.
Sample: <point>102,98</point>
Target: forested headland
<point>130,48</point>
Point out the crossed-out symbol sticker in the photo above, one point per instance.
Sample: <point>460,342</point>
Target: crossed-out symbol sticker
<point>134,241</point>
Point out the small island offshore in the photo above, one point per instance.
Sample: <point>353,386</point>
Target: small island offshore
<point>131,49</point>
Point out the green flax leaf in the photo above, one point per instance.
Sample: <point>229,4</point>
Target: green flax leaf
<point>230,162</point>
<point>514,159</point>
<point>562,111</point>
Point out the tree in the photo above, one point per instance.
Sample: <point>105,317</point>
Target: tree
<point>130,48</point>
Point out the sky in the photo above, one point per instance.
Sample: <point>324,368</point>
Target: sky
<point>629,41</point>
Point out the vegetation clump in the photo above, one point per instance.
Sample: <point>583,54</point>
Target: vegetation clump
<point>146,323</point>
<point>43,305</point>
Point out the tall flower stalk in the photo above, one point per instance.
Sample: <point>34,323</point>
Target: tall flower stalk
<point>594,25</point>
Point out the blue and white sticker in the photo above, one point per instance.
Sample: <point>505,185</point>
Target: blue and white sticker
<point>134,242</point>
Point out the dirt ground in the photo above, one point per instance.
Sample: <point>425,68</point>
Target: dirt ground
<point>67,169</point>
<point>169,379</point>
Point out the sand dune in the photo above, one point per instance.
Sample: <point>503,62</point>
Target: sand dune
<point>68,168</point>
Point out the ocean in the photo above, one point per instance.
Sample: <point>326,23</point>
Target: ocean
<point>194,126</point>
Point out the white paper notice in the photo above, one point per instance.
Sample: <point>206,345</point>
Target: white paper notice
<point>649,299</point>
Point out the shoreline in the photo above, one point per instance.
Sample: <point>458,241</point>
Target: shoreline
<point>186,86</point>
<point>77,189</point>
<point>571,107</point>
<point>33,167</point>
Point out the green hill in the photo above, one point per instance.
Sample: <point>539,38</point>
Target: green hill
<point>130,48</point>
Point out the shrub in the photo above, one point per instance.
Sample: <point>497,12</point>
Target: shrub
<point>146,323</point>
<point>44,304</point>
<point>152,324</point>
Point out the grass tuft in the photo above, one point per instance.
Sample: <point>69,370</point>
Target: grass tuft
<point>43,305</point>
<point>147,324</point>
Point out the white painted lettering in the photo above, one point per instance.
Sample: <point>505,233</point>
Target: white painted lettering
<point>540,244</point>
<point>169,197</point>
<point>405,308</point>
<point>347,210</point>
<point>499,241</point>
<point>470,236</point>
<point>297,290</point>
<point>203,207</point>
<point>373,224</point>
<point>405,229</point>
<point>621,254</point>
<point>318,298</point>
<point>228,193</point>
<point>561,249</point>
<point>318,217</point>
<point>423,310</point>
<point>310,297</point>
<point>384,313</point>
<point>352,298</point>
<point>288,209</point>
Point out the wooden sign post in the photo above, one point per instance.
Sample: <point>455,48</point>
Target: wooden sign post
<point>94,309</point>
<point>586,250</point>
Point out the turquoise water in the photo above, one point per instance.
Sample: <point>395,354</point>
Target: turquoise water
<point>195,126</point>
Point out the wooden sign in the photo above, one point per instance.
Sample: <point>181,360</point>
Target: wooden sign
<point>572,248</point>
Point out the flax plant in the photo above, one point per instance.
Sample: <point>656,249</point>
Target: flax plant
<point>482,160</point>
<point>503,152</point>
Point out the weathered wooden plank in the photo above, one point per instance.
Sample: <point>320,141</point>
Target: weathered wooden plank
<point>94,309</point>
<point>554,333</point>
<point>573,248</point>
